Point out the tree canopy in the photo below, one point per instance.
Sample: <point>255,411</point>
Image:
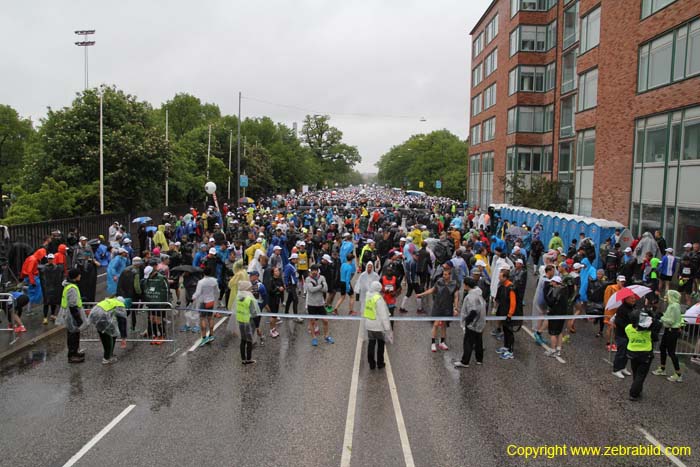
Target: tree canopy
<point>53,172</point>
<point>439,155</point>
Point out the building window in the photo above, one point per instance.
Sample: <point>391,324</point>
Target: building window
<point>490,96</point>
<point>590,30</point>
<point>566,119</point>
<point>568,71</point>
<point>649,7</point>
<point>491,30</point>
<point>671,57</point>
<point>526,38</point>
<point>477,74</point>
<point>588,90</point>
<point>474,176</point>
<point>476,105</point>
<point>489,130</point>
<point>486,178</point>
<point>478,45</point>
<point>530,5</point>
<point>570,26</point>
<point>475,135</point>
<point>528,162</point>
<point>664,181</point>
<point>530,119</point>
<point>532,78</point>
<point>565,175</point>
<point>585,159</point>
<point>491,62</point>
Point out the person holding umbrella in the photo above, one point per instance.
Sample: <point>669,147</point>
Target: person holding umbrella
<point>623,301</point>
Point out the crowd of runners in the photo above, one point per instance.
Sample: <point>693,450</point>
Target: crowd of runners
<point>363,251</point>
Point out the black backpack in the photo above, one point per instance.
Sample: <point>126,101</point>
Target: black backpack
<point>442,251</point>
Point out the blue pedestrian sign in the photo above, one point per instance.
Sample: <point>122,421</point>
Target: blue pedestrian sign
<point>438,184</point>
<point>244,181</point>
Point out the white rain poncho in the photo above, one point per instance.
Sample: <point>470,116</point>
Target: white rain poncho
<point>497,265</point>
<point>381,323</point>
<point>363,283</point>
<point>646,244</point>
<point>106,321</point>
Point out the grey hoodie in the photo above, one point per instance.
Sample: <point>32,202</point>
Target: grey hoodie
<point>473,314</point>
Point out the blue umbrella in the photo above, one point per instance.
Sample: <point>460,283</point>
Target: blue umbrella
<point>141,220</point>
<point>151,228</point>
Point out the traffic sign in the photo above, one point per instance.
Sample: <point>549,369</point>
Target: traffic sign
<point>244,181</point>
<point>438,184</point>
<point>420,184</point>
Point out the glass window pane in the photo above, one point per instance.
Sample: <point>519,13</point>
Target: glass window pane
<point>679,59</point>
<point>643,67</point>
<point>536,160</point>
<point>691,134</point>
<point>589,149</point>
<point>675,137</point>
<point>570,25</point>
<point>660,58</point>
<point>512,81</point>
<point>693,61</point>
<point>538,125</point>
<point>524,160</point>
<point>568,73</point>
<point>655,147</point>
<point>651,218</point>
<point>525,119</point>
<point>511,120</point>
<point>593,33</point>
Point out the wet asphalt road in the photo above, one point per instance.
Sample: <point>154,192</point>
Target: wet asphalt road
<point>205,408</point>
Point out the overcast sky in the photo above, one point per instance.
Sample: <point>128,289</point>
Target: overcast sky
<point>380,58</point>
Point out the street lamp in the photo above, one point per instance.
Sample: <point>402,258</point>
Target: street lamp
<point>85,43</point>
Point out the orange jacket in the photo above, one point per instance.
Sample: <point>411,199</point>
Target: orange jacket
<point>30,267</point>
<point>60,258</point>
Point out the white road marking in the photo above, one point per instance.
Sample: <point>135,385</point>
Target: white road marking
<point>656,442</point>
<point>198,341</point>
<point>545,346</point>
<point>98,437</point>
<point>352,404</point>
<point>174,352</point>
<point>403,434</point>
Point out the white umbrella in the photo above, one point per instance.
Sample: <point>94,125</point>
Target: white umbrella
<point>618,297</point>
<point>692,314</point>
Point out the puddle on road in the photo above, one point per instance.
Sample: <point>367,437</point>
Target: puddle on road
<point>31,358</point>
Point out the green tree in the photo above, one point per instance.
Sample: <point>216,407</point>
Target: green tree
<point>53,200</point>
<point>14,134</point>
<point>185,113</point>
<point>439,155</point>
<point>542,193</point>
<point>334,157</point>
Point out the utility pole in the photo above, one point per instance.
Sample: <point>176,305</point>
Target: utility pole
<point>85,43</point>
<point>102,171</point>
<point>167,159</point>
<point>238,161</point>
<point>230,147</point>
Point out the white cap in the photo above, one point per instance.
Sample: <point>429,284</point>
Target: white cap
<point>127,240</point>
<point>301,243</point>
<point>121,299</point>
<point>50,256</point>
<point>369,240</point>
<point>294,256</point>
<point>402,239</point>
<point>480,263</point>
<point>235,221</point>
<point>259,240</point>
<point>578,266</point>
<point>276,247</point>
<point>82,238</point>
<point>669,250</point>
<point>516,248</point>
<point>178,243</point>
<point>136,260</point>
<point>212,251</point>
<point>628,250</point>
<point>212,239</point>
<point>688,245</point>
<point>519,261</point>
<point>621,278</point>
<point>327,258</point>
<point>122,250</point>
<point>556,279</point>
<point>147,272</point>
<point>346,234</point>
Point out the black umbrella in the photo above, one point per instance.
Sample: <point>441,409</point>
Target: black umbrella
<point>186,268</point>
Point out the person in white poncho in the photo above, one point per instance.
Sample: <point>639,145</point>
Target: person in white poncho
<point>364,281</point>
<point>377,325</point>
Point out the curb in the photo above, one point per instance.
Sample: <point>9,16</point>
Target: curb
<point>29,343</point>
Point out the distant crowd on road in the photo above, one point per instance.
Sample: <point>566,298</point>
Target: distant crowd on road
<point>365,245</point>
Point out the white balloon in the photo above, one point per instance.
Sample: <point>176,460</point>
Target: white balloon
<point>292,191</point>
<point>210,188</point>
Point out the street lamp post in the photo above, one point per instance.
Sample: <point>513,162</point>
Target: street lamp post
<point>102,172</point>
<point>167,159</point>
<point>238,158</point>
<point>230,147</point>
<point>85,43</point>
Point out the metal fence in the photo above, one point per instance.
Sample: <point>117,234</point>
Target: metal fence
<point>139,321</point>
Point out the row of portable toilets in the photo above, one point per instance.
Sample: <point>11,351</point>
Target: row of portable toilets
<point>569,226</point>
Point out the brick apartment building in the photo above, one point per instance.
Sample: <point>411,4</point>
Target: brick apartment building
<point>603,95</point>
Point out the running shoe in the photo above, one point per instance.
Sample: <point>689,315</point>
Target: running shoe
<point>459,364</point>
<point>433,348</point>
<point>274,333</point>
<point>248,362</point>
<point>195,329</point>
<point>619,374</point>
<point>329,340</point>
<point>499,337</point>
<point>538,339</point>
<point>502,350</point>
<point>626,372</point>
<point>550,353</point>
<point>184,328</point>
<point>262,341</point>
<point>122,344</point>
<point>506,356</point>
<point>45,321</point>
<point>314,342</point>
<point>22,329</point>
<point>299,320</point>
<point>420,311</point>
<point>495,332</point>
<point>675,378</point>
<point>659,372</point>
<point>443,346</point>
<point>210,339</point>
<point>106,361</point>
<point>203,341</point>
<point>403,310</point>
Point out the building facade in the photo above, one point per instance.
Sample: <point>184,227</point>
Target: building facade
<point>602,95</point>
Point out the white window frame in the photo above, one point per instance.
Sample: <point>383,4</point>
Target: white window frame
<point>590,31</point>
<point>588,90</point>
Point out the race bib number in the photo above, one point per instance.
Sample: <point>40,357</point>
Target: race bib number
<point>686,271</point>
<point>389,288</point>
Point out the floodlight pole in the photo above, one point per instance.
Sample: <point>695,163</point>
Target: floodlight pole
<point>85,43</point>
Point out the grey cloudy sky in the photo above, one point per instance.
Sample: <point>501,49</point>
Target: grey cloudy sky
<point>392,57</point>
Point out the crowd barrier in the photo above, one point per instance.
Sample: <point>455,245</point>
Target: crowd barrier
<point>165,311</point>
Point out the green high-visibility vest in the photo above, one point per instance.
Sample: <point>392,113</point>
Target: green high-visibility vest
<point>108,304</point>
<point>243,310</point>
<point>371,307</point>
<point>64,296</point>
<point>639,341</point>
